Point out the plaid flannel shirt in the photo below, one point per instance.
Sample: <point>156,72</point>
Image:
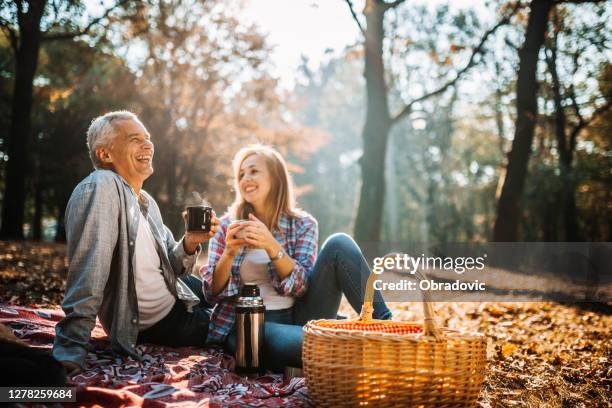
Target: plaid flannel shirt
<point>298,237</point>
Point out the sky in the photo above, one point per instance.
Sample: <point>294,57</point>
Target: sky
<point>302,27</point>
<point>294,28</point>
<point>310,27</point>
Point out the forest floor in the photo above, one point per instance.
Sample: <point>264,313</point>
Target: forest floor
<point>540,354</point>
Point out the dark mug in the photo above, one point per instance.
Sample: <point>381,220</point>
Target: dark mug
<point>199,218</point>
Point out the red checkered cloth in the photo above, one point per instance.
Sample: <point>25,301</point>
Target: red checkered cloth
<point>178,377</point>
<point>390,327</point>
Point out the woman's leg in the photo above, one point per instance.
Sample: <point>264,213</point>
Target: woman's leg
<point>340,268</point>
<point>283,346</point>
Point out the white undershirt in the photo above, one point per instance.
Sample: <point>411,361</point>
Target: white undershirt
<point>254,269</point>
<point>154,299</point>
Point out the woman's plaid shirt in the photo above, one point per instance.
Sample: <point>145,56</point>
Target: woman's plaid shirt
<point>298,236</point>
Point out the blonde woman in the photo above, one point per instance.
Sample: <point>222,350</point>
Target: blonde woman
<point>265,239</point>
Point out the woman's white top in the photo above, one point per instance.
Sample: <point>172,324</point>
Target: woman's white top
<point>254,269</point>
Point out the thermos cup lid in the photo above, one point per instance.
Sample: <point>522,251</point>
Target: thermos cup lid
<point>249,290</point>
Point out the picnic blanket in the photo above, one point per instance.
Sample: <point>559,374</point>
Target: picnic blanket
<point>167,377</point>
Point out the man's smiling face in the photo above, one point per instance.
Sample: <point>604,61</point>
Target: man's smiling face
<point>131,153</point>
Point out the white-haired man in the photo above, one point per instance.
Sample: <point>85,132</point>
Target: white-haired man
<point>124,265</point>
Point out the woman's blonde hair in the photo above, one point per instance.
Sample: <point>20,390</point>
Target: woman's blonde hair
<point>280,198</point>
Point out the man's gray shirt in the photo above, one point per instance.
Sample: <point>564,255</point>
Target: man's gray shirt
<point>101,226</point>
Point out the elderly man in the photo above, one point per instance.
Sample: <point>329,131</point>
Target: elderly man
<point>124,265</point>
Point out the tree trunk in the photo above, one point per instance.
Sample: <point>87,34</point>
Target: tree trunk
<point>509,206</point>
<point>60,228</point>
<point>569,221</point>
<point>499,114</point>
<point>19,133</point>
<point>38,211</point>
<point>393,217</point>
<point>376,129</point>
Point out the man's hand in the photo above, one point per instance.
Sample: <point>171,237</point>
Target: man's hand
<point>194,238</point>
<point>72,368</point>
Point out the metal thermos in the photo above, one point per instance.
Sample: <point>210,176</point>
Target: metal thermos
<point>249,330</point>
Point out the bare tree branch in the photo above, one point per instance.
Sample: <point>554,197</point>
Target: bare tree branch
<point>56,10</point>
<point>582,122</point>
<point>352,9</point>
<point>572,96</point>
<point>19,4</point>
<point>471,62</point>
<point>510,44</point>
<point>86,29</point>
<point>20,13</point>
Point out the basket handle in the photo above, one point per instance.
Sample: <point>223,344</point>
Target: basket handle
<point>429,322</point>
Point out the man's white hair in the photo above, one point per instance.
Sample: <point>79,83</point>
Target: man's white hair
<point>102,131</point>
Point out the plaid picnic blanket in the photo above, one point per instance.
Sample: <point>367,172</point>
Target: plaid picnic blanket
<point>167,377</point>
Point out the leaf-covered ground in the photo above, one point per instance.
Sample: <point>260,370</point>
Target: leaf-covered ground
<point>539,354</point>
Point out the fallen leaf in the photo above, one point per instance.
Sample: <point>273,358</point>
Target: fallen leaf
<point>507,349</point>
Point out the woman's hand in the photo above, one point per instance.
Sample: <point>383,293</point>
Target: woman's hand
<point>194,238</point>
<point>234,239</point>
<point>223,268</point>
<point>257,235</point>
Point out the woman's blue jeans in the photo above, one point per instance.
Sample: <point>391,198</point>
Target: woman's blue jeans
<point>339,269</point>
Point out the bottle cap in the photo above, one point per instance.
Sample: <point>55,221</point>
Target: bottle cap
<point>249,290</point>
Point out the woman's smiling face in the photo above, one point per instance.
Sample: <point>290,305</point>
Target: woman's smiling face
<point>254,181</point>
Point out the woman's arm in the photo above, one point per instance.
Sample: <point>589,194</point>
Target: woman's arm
<point>283,265</point>
<point>222,249</point>
<point>222,272</point>
<point>258,235</point>
<point>304,255</point>
<point>291,272</point>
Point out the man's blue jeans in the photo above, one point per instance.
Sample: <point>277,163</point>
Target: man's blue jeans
<point>340,269</point>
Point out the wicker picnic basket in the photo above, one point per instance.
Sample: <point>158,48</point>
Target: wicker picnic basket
<point>391,364</point>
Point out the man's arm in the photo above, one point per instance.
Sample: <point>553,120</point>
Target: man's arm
<point>182,262</point>
<point>91,232</point>
<point>184,253</point>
